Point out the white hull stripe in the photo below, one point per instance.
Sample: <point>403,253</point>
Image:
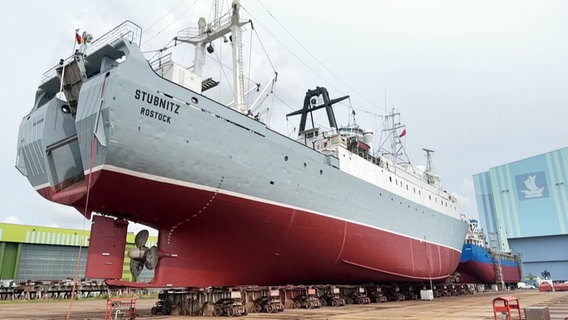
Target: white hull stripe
<point>161,179</point>
<point>41,186</point>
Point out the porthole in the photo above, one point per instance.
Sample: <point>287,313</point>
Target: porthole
<point>194,100</point>
<point>285,158</point>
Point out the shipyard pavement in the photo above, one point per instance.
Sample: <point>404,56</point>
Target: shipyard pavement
<point>471,307</point>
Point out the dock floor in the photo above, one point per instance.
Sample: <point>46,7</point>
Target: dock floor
<point>469,307</point>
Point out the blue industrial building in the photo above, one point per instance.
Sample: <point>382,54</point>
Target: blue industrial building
<point>523,206</point>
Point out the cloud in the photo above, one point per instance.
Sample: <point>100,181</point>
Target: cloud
<point>467,77</point>
<point>12,219</point>
<point>466,205</point>
<point>468,183</point>
<point>137,227</point>
<point>61,216</point>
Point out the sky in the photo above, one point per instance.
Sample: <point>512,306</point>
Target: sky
<point>483,83</point>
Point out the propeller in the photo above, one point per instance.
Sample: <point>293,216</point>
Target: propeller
<point>141,255</point>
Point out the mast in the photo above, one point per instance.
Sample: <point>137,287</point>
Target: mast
<point>392,126</point>
<point>314,100</point>
<point>208,34</point>
<point>394,153</point>
<point>431,177</point>
<point>238,77</point>
<point>429,153</point>
<point>199,57</point>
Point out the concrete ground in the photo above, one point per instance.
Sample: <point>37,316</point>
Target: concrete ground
<point>472,307</point>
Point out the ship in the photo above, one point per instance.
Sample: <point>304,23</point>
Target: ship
<point>125,139</point>
<point>483,265</point>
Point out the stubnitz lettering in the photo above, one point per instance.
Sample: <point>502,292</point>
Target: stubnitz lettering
<point>156,101</point>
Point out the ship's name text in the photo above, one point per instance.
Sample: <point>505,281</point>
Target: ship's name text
<point>156,115</point>
<point>156,101</point>
<point>37,122</point>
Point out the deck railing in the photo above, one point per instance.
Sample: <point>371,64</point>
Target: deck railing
<point>127,29</point>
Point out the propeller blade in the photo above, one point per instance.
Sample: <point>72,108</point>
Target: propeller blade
<point>151,258</point>
<point>136,267</point>
<point>141,238</point>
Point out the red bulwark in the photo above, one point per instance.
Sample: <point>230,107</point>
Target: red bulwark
<point>106,248</point>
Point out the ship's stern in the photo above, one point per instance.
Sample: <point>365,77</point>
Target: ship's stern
<point>48,152</point>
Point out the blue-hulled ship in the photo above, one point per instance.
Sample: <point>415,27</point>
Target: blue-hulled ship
<point>480,264</point>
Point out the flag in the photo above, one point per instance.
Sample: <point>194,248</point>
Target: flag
<point>78,37</point>
<point>402,134</point>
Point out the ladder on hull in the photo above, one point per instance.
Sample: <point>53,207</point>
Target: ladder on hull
<point>496,260</point>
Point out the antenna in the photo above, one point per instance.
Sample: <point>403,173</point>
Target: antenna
<point>386,111</point>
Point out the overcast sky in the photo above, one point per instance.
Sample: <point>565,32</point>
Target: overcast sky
<point>482,83</point>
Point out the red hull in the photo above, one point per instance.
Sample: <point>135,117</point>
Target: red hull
<point>208,238</point>
<point>479,272</point>
<point>511,274</point>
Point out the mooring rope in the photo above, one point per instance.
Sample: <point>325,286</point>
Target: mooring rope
<point>86,210</point>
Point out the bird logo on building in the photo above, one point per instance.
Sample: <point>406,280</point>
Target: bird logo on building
<point>532,191</point>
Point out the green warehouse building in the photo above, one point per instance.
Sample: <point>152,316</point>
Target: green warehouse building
<point>46,253</point>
